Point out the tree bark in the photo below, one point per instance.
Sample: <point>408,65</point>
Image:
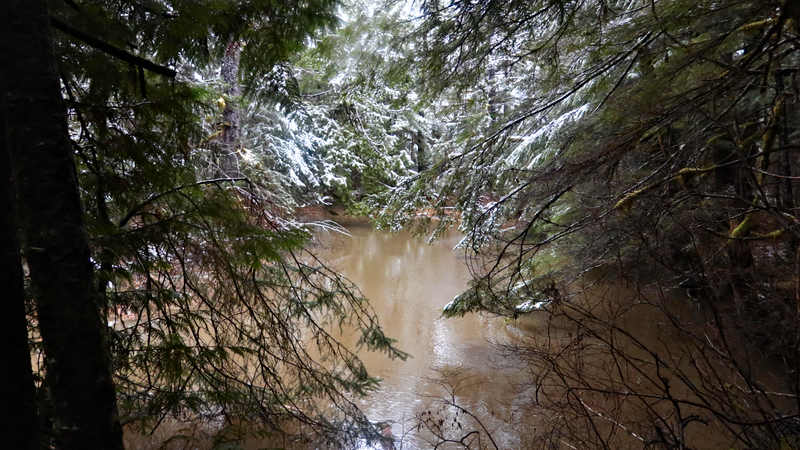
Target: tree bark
<point>418,144</point>
<point>229,159</point>
<point>20,429</point>
<point>56,245</point>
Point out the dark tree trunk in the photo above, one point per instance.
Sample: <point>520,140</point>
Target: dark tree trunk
<point>20,428</point>
<point>56,246</point>
<point>419,147</point>
<point>229,159</point>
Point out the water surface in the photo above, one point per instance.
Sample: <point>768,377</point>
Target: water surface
<point>408,282</point>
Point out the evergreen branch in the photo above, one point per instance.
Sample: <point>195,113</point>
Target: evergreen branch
<point>625,201</point>
<point>72,5</point>
<point>111,49</point>
<point>155,197</point>
<point>643,42</point>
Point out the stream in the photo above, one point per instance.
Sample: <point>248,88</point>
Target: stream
<point>453,382</point>
<point>408,282</point>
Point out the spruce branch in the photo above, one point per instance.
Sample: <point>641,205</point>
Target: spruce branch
<point>155,197</point>
<point>111,49</point>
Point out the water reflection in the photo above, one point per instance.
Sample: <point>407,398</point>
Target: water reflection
<point>408,283</point>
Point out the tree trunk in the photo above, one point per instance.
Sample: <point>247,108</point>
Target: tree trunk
<point>20,428</point>
<point>56,246</point>
<point>229,159</point>
<point>419,149</point>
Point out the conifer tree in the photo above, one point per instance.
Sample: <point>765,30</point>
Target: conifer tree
<point>349,123</point>
<point>217,313</point>
<point>651,145</point>
<point>16,377</point>
<point>38,158</point>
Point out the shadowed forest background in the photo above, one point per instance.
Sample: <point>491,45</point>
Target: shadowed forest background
<point>624,175</point>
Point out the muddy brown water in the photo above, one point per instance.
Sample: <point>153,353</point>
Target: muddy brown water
<point>408,282</point>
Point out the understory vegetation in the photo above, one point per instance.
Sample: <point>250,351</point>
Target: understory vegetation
<point>635,162</point>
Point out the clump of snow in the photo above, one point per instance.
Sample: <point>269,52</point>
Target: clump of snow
<point>530,305</point>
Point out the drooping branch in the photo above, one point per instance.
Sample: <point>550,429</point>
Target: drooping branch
<point>111,49</point>
<point>155,197</point>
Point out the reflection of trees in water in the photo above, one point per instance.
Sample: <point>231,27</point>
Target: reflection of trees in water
<point>619,368</point>
<point>448,419</point>
<point>616,368</point>
<point>229,341</point>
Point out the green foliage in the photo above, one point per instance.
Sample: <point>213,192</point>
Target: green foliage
<point>652,144</point>
<point>359,117</point>
<point>217,312</point>
<point>592,106</point>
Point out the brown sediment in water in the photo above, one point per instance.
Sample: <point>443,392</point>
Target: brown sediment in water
<point>409,282</point>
